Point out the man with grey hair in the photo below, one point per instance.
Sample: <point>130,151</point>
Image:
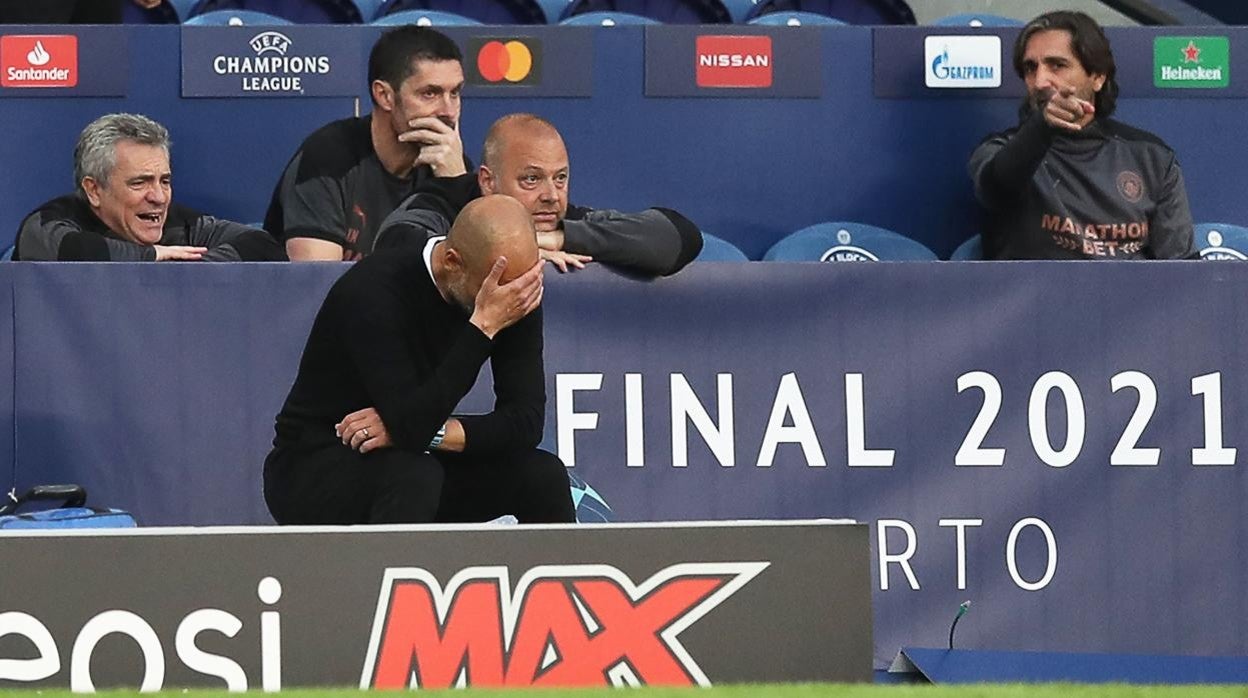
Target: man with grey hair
<point>123,208</point>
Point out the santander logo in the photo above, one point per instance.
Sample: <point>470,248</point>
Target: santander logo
<point>48,60</point>
<point>38,55</point>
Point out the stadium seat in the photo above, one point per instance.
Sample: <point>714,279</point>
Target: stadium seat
<point>739,10</point>
<point>1222,241</point>
<point>665,11</point>
<point>977,20</point>
<point>554,9</point>
<point>971,250</point>
<point>482,11</point>
<point>426,18</point>
<point>184,8</point>
<point>7,255</point>
<point>164,13</point>
<point>303,12</point>
<point>848,11</point>
<point>369,8</point>
<point>606,19</point>
<point>719,250</point>
<point>795,19</point>
<point>847,242</point>
<point>236,18</point>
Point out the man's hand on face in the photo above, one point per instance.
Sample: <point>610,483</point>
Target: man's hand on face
<point>440,145</point>
<point>499,306</point>
<point>1066,111</point>
<point>562,260</point>
<point>179,253</point>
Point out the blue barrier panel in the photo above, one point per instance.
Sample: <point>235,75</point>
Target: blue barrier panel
<point>7,459</point>
<point>995,423</point>
<point>156,386</point>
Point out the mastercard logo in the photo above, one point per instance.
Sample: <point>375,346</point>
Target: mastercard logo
<point>507,61</point>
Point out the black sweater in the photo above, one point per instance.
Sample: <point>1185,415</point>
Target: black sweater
<point>1109,191</point>
<point>65,229</point>
<point>385,338</point>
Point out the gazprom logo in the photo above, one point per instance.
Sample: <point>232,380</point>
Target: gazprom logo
<point>962,61</point>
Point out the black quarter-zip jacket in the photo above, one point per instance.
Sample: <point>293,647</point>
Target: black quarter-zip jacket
<point>1109,191</point>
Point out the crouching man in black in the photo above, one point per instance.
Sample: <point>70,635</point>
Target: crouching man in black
<point>366,434</point>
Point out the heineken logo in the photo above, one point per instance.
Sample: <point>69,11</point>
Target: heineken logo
<point>1191,62</point>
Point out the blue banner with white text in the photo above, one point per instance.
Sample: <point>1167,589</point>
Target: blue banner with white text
<point>1060,443</point>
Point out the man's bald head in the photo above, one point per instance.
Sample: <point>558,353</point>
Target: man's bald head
<point>491,227</point>
<point>513,128</point>
<point>525,158</point>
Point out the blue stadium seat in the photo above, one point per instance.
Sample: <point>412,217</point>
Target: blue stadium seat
<point>554,9</point>
<point>606,19</point>
<point>7,255</point>
<point>740,10</point>
<point>236,18</point>
<point>426,18</point>
<point>665,11</point>
<point>971,250</point>
<point>847,242</point>
<point>719,250</point>
<point>164,13</point>
<point>1222,241</point>
<point>977,20</point>
<point>483,11</point>
<point>302,12</point>
<point>184,8</point>
<point>795,19</point>
<point>848,11</point>
<point>369,8</point>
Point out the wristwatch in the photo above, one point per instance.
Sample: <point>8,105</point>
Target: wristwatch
<point>438,437</point>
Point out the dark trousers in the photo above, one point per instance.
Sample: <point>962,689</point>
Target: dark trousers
<point>336,485</point>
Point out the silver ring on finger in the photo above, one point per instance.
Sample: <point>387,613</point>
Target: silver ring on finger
<point>364,431</point>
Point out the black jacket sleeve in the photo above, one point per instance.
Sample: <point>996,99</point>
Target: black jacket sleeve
<point>518,418</point>
<point>228,241</point>
<point>653,242</point>
<point>428,212</point>
<point>1002,165</point>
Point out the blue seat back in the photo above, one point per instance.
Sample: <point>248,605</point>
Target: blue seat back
<point>302,12</point>
<point>1222,241</point>
<point>977,19</point>
<point>164,13</point>
<point>483,11</point>
<point>606,19</point>
<point>554,9</point>
<point>795,19</point>
<point>739,10</point>
<point>844,241</point>
<point>848,11</point>
<point>971,250</point>
<point>426,18</point>
<point>719,250</point>
<point>236,18</point>
<point>7,255</point>
<point>665,11</point>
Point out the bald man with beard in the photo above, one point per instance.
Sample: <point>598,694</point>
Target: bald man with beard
<point>367,435</point>
<point>525,158</point>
